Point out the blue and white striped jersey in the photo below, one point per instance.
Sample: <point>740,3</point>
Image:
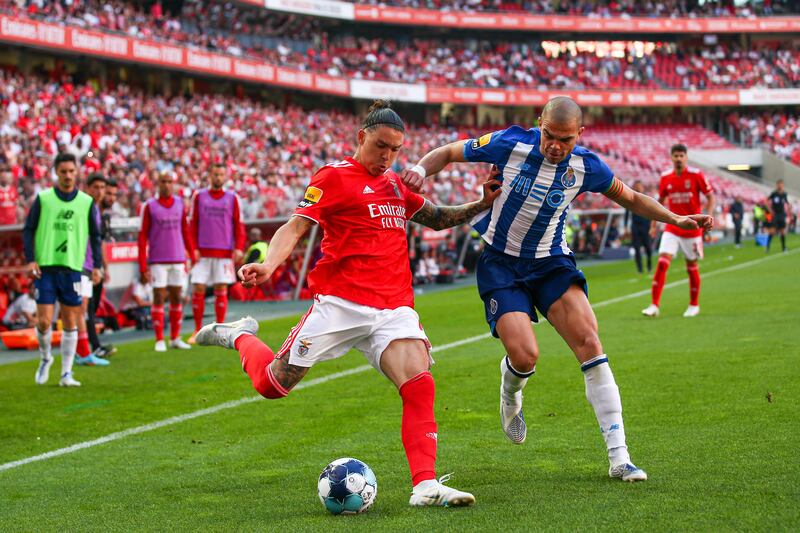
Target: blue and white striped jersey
<point>527,219</point>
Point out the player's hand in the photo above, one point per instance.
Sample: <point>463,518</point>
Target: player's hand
<point>491,188</point>
<point>253,274</point>
<point>33,270</point>
<point>97,276</point>
<point>196,258</point>
<point>145,276</point>
<point>237,256</point>
<point>106,276</point>
<point>653,232</point>
<point>413,180</point>
<point>704,222</point>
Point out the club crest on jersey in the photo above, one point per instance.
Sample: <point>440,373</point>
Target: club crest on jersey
<point>305,344</point>
<point>568,178</point>
<point>555,198</point>
<point>311,197</point>
<point>396,189</point>
<point>688,184</point>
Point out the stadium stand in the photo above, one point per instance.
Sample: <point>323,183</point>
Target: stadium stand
<point>303,43</point>
<point>774,130</point>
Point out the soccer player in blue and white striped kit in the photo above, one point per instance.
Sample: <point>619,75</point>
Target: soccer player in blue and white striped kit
<point>527,265</point>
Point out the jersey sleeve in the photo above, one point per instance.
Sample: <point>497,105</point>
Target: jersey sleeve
<point>702,184</point>
<point>414,203</point>
<point>489,148</point>
<point>598,177</point>
<point>321,197</point>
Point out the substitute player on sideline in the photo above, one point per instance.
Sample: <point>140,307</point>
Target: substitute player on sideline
<point>680,190</point>
<point>218,232</point>
<point>527,266</point>
<point>61,222</point>
<point>87,330</point>
<point>362,286</point>
<point>165,228</point>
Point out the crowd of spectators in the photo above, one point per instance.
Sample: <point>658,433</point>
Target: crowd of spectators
<point>271,153</point>
<point>301,42</point>
<point>605,8</point>
<point>775,130</point>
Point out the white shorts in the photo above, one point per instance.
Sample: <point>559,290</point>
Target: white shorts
<point>692,247</point>
<point>167,275</point>
<point>86,286</point>
<point>213,271</point>
<point>334,325</point>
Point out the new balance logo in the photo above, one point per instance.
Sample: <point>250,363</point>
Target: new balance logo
<point>62,248</point>
<point>66,214</point>
<point>367,190</point>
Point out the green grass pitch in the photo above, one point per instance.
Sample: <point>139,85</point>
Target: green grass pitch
<point>711,406</point>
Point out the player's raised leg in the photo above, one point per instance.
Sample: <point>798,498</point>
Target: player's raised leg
<point>272,379</point>
<point>406,362</point>
<point>573,318</point>
<point>516,368</point>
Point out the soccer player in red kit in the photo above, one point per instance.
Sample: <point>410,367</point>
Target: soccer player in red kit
<point>362,291</point>
<point>680,191</point>
<point>218,233</point>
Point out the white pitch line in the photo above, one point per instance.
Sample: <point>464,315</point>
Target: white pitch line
<point>324,379</point>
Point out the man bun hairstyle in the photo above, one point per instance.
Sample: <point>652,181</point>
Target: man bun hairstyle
<point>381,114</point>
<point>678,148</point>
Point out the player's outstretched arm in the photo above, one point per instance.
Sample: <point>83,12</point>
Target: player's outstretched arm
<point>432,163</point>
<point>441,216</point>
<point>643,205</point>
<point>280,248</point>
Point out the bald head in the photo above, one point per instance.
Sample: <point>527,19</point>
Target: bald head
<point>562,110</point>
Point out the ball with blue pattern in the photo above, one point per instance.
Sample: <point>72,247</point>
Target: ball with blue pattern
<point>347,486</point>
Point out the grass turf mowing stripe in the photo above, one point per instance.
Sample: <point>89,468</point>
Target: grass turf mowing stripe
<point>323,379</point>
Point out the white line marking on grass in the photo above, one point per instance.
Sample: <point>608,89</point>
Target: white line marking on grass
<point>324,379</point>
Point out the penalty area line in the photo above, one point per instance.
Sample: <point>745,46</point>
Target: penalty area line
<point>324,379</point>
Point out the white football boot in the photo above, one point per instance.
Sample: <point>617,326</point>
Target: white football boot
<point>161,346</point>
<point>651,310</point>
<point>692,310</point>
<point>43,372</point>
<point>511,419</point>
<point>224,334</point>
<point>627,472</point>
<point>432,493</point>
<point>178,344</point>
<point>68,381</point>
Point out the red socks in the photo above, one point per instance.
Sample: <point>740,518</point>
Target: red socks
<point>659,278</point>
<point>220,303</point>
<point>157,313</point>
<point>83,348</point>
<point>175,318</point>
<point>419,426</point>
<point>694,283</point>
<point>198,308</point>
<point>256,358</point>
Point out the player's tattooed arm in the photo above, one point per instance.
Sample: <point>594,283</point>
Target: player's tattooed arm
<point>442,216</point>
<point>287,375</point>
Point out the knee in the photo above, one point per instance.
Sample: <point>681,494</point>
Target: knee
<point>42,324</point>
<point>588,345</point>
<point>523,357</point>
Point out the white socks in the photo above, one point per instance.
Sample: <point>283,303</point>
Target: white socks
<point>603,395</point>
<point>69,342</point>
<point>45,343</point>
<point>513,382</point>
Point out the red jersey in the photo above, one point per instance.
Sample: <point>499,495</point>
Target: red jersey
<point>8,205</point>
<point>681,195</point>
<point>364,246</point>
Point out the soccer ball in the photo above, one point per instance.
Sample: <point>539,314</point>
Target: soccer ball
<point>347,486</point>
